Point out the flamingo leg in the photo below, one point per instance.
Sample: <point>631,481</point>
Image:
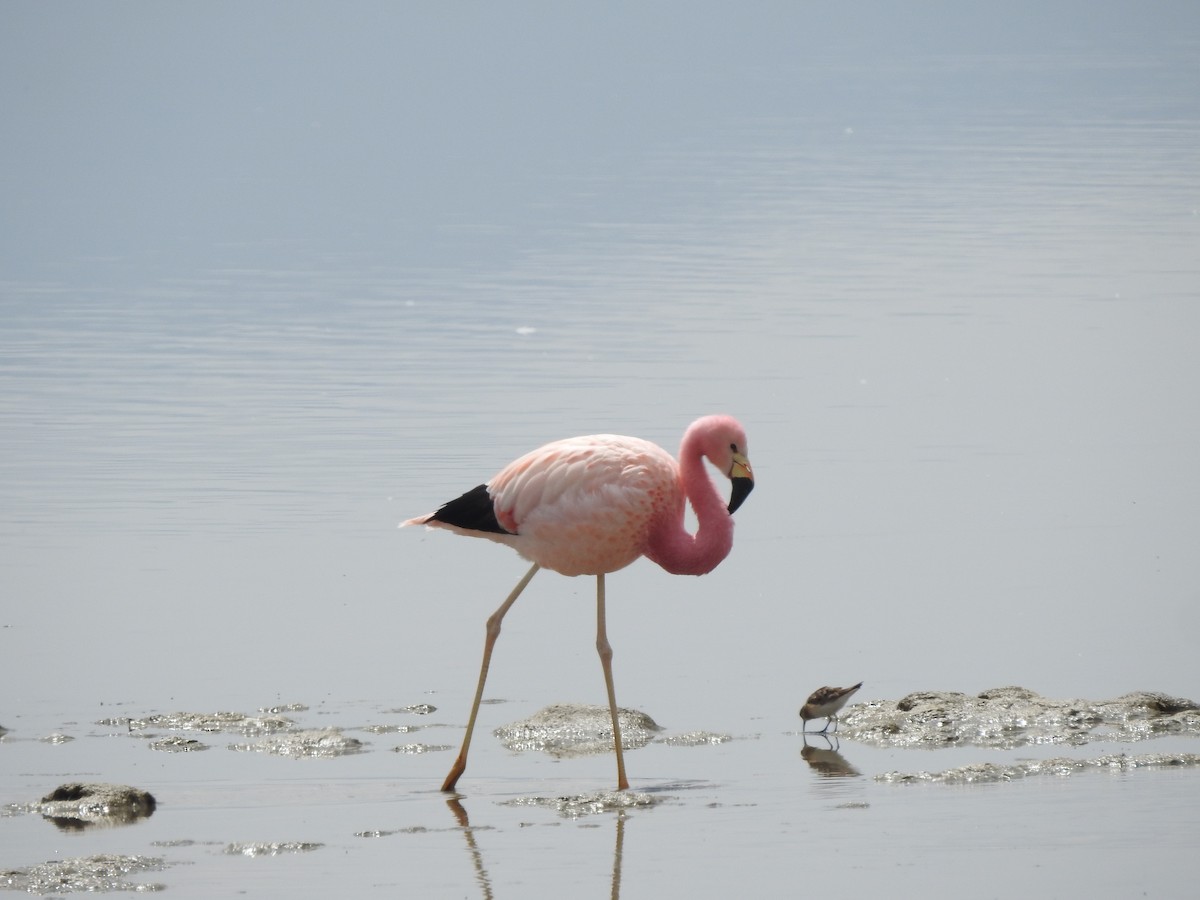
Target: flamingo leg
<point>493,632</point>
<point>606,654</point>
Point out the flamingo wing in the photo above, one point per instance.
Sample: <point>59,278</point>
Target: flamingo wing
<point>473,511</point>
<point>584,479</point>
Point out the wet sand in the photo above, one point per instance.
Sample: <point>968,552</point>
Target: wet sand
<point>342,799</point>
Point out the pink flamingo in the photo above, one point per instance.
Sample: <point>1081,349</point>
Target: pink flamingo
<point>592,505</point>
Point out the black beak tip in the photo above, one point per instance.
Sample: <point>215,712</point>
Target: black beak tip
<point>741,490</point>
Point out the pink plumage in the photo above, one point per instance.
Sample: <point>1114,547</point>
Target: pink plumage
<point>592,505</point>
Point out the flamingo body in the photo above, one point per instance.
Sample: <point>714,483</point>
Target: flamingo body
<point>581,506</point>
<point>592,505</point>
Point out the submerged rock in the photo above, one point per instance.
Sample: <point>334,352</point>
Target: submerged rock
<point>80,805</point>
<point>91,874</point>
<point>568,729</point>
<point>1011,717</point>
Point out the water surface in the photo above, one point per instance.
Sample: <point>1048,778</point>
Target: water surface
<point>256,312</point>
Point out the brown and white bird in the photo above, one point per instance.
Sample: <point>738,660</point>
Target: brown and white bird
<point>824,703</point>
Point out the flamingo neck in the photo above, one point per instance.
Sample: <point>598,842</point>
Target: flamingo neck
<point>672,547</point>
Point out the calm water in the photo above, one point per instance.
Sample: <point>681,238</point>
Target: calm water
<point>257,307</point>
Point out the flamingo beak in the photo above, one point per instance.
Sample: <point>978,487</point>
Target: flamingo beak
<point>742,477</point>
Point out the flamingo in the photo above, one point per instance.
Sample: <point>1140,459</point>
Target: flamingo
<point>825,703</point>
<point>592,505</point>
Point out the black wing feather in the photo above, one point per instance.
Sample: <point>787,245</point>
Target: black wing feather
<point>474,511</point>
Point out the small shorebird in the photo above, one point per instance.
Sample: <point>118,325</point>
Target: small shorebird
<point>825,702</point>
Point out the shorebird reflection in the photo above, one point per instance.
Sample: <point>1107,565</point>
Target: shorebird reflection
<point>828,762</point>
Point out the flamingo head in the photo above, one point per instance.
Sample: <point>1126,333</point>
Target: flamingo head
<point>723,441</point>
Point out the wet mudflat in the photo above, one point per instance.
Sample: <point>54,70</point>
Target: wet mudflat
<point>304,799</point>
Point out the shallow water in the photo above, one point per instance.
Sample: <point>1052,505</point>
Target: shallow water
<point>255,313</point>
<point>828,813</point>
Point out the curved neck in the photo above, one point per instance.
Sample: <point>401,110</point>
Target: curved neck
<point>671,546</point>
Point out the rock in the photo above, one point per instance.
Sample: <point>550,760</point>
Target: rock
<point>79,805</point>
<point>1010,717</point>
<point>568,729</point>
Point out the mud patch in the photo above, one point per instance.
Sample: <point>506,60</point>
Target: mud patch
<point>567,730</point>
<point>279,848</point>
<point>413,749</point>
<point>419,709</point>
<point>91,874</point>
<point>324,743</point>
<point>230,722</point>
<point>990,773</point>
<point>694,739</point>
<point>1011,717</point>
<point>271,730</point>
<point>590,804</point>
<point>177,744</point>
<point>391,729</point>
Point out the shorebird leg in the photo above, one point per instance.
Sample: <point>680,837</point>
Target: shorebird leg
<point>606,654</point>
<point>493,632</point>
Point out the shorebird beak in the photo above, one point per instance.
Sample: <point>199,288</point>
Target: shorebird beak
<point>742,477</point>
